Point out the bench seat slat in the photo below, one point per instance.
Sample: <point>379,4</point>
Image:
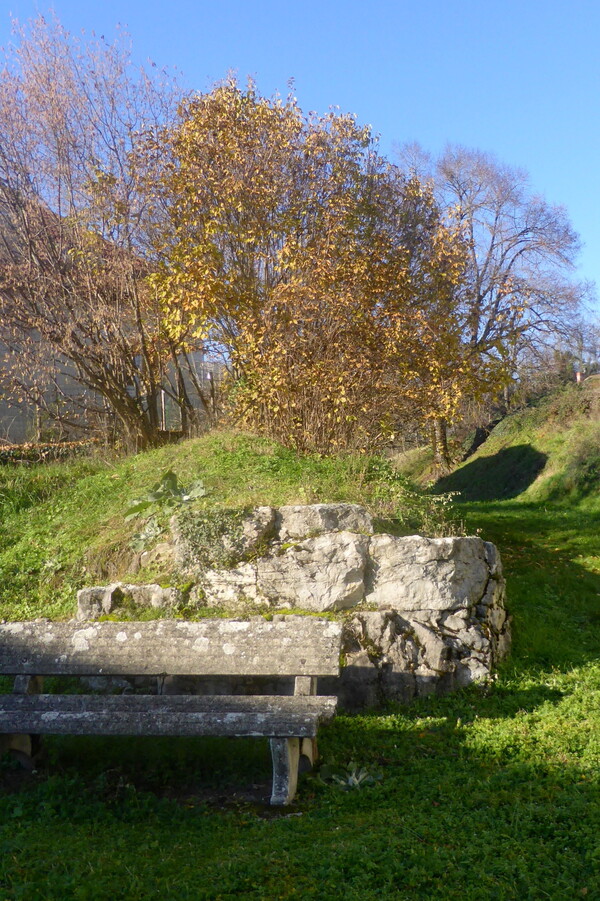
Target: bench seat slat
<point>292,646</point>
<point>225,715</point>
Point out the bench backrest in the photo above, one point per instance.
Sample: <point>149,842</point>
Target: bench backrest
<point>286,646</point>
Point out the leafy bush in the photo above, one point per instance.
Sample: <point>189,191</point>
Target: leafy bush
<point>403,507</point>
<point>165,496</point>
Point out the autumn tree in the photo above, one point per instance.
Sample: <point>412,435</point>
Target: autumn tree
<point>328,278</point>
<point>83,332</point>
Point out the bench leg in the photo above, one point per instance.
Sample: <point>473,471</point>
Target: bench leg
<point>20,747</point>
<point>23,747</point>
<point>309,754</point>
<point>286,757</point>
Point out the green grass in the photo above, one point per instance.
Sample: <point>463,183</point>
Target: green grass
<point>62,526</point>
<point>491,793</point>
<point>549,451</point>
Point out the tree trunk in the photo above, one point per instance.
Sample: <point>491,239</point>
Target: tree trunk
<point>439,440</point>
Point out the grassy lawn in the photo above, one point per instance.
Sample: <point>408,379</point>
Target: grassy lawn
<point>491,793</point>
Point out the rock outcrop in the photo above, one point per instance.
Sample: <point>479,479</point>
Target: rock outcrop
<point>422,615</point>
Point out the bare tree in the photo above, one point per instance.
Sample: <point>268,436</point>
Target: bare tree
<point>520,291</point>
<point>522,252</point>
<point>76,225</point>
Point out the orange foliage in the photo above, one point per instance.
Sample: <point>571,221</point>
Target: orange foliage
<point>328,277</point>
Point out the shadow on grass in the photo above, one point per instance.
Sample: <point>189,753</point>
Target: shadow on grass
<point>99,774</point>
<point>219,771</point>
<point>552,582</point>
<point>453,811</point>
<point>505,474</point>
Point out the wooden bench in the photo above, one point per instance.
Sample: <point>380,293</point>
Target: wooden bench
<point>293,646</point>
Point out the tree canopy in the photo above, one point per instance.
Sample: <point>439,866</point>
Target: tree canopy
<point>328,277</point>
<point>347,295</point>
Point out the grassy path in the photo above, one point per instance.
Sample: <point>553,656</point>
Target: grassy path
<point>491,793</point>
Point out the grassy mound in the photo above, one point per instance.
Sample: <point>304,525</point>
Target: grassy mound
<point>64,526</point>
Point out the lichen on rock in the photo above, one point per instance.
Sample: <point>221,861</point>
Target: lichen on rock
<point>221,538</point>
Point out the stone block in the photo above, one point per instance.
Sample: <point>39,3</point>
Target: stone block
<point>437,617</point>
<point>317,574</point>
<point>100,601</point>
<point>416,573</point>
<point>314,519</point>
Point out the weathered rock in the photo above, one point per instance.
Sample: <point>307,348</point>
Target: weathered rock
<point>317,574</point>
<point>95,602</point>
<point>502,641</point>
<point>99,601</point>
<point>314,519</point>
<point>439,620</point>
<point>359,685</point>
<point>258,528</point>
<point>493,560</point>
<point>435,655</point>
<point>227,587</point>
<point>391,656</point>
<point>163,554</point>
<point>380,661</point>
<point>150,595</point>
<point>455,622</point>
<point>418,573</point>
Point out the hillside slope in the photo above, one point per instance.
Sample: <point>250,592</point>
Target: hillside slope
<point>549,451</point>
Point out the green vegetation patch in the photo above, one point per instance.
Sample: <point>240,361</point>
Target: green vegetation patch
<point>549,450</point>
<point>65,525</point>
<point>486,794</point>
<point>492,792</point>
<point>213,538</point>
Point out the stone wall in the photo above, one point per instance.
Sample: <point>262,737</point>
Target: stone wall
<point>421,615</point>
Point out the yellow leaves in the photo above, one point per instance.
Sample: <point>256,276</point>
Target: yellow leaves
<point>329,279</point>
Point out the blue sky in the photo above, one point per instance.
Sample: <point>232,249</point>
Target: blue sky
<point>518,78</point>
